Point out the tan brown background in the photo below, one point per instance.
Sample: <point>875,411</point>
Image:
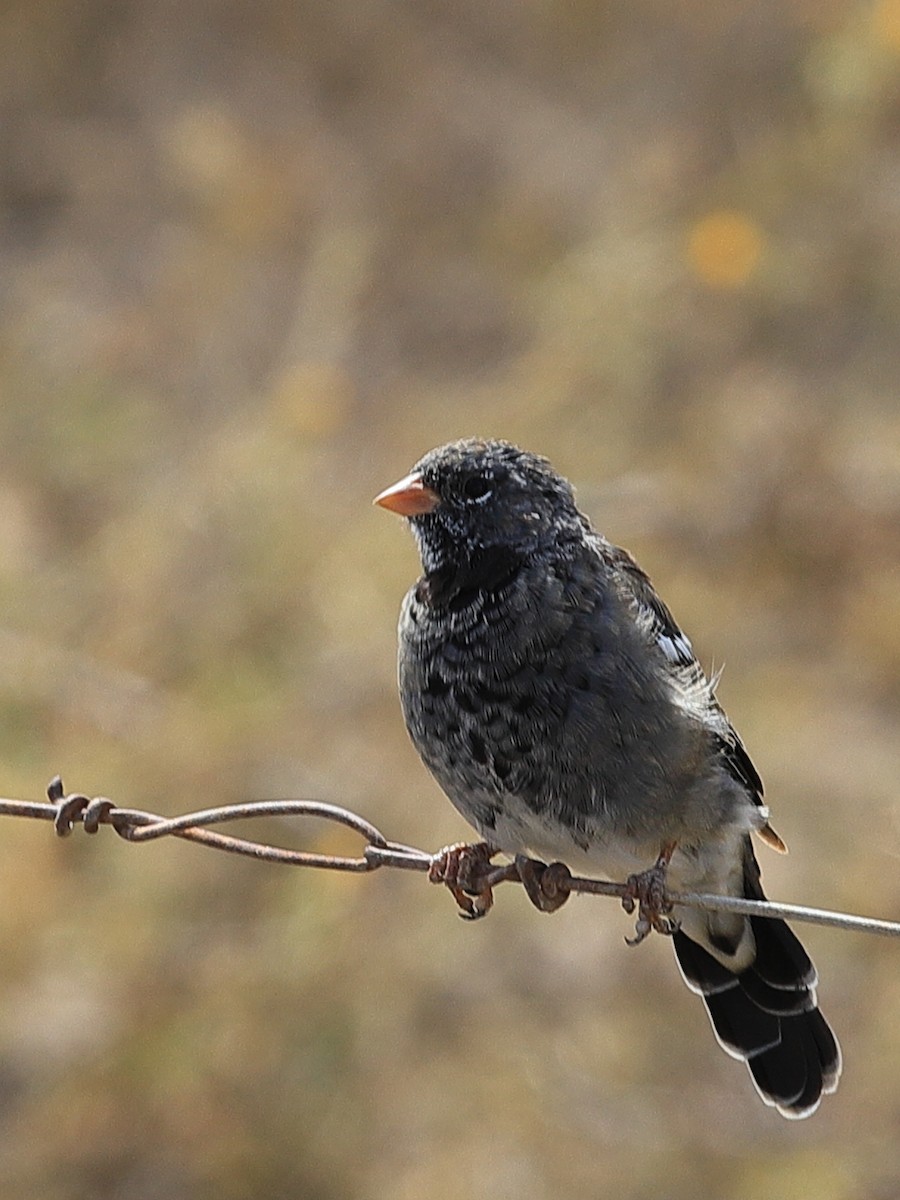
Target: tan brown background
<point>256,259</point>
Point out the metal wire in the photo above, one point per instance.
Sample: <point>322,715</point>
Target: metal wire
<point>547,887</point>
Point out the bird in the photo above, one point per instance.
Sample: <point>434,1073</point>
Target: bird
<point>553,697</point>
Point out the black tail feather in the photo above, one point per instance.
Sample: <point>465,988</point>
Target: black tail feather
<point>780,959</point>
<point>786,1073</point>
<point>767,1014</point>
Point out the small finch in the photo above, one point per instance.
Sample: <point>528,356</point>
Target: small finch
<point>555,700</point>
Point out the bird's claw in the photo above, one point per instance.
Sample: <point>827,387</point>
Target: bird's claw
<point>547,887</point>
<point>647,892</point>
<point>464,870</point>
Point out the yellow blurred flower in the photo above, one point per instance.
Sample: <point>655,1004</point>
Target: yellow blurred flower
<point>886,24</point>
<point>724,247</point>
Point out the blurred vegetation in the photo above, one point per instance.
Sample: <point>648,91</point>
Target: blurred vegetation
<point>255,260</point>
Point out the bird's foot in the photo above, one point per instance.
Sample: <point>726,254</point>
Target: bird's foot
<point>466,871</point>
<point>547,887</point>
<point>648,891</point>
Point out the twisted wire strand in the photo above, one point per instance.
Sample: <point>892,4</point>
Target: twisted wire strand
<point>136,825</point>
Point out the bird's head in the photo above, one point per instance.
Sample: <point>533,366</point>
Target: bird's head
<point>474,498</point>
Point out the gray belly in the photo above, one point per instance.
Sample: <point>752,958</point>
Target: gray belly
<point>551,749</point>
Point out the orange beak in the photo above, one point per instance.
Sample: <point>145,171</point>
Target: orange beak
<point>409,497</point>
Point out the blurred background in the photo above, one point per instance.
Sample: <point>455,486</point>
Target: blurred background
<point>254,261</point>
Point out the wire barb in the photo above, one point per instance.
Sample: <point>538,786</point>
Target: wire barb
<point>548,886</point>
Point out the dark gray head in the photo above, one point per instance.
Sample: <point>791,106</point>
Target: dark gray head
<point>474,499</point>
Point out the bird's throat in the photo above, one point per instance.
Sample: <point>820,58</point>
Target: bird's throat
<point>455,584</point>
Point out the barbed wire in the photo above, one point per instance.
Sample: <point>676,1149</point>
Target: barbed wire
<point>467,871</point>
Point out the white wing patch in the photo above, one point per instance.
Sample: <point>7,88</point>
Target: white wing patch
<point>676,648</point>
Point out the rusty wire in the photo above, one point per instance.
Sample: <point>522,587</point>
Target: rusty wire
<point>135,825</point>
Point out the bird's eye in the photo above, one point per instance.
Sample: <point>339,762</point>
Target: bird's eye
<point>477,487</point>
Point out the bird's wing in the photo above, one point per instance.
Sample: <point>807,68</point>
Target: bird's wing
<point>690,686</point>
